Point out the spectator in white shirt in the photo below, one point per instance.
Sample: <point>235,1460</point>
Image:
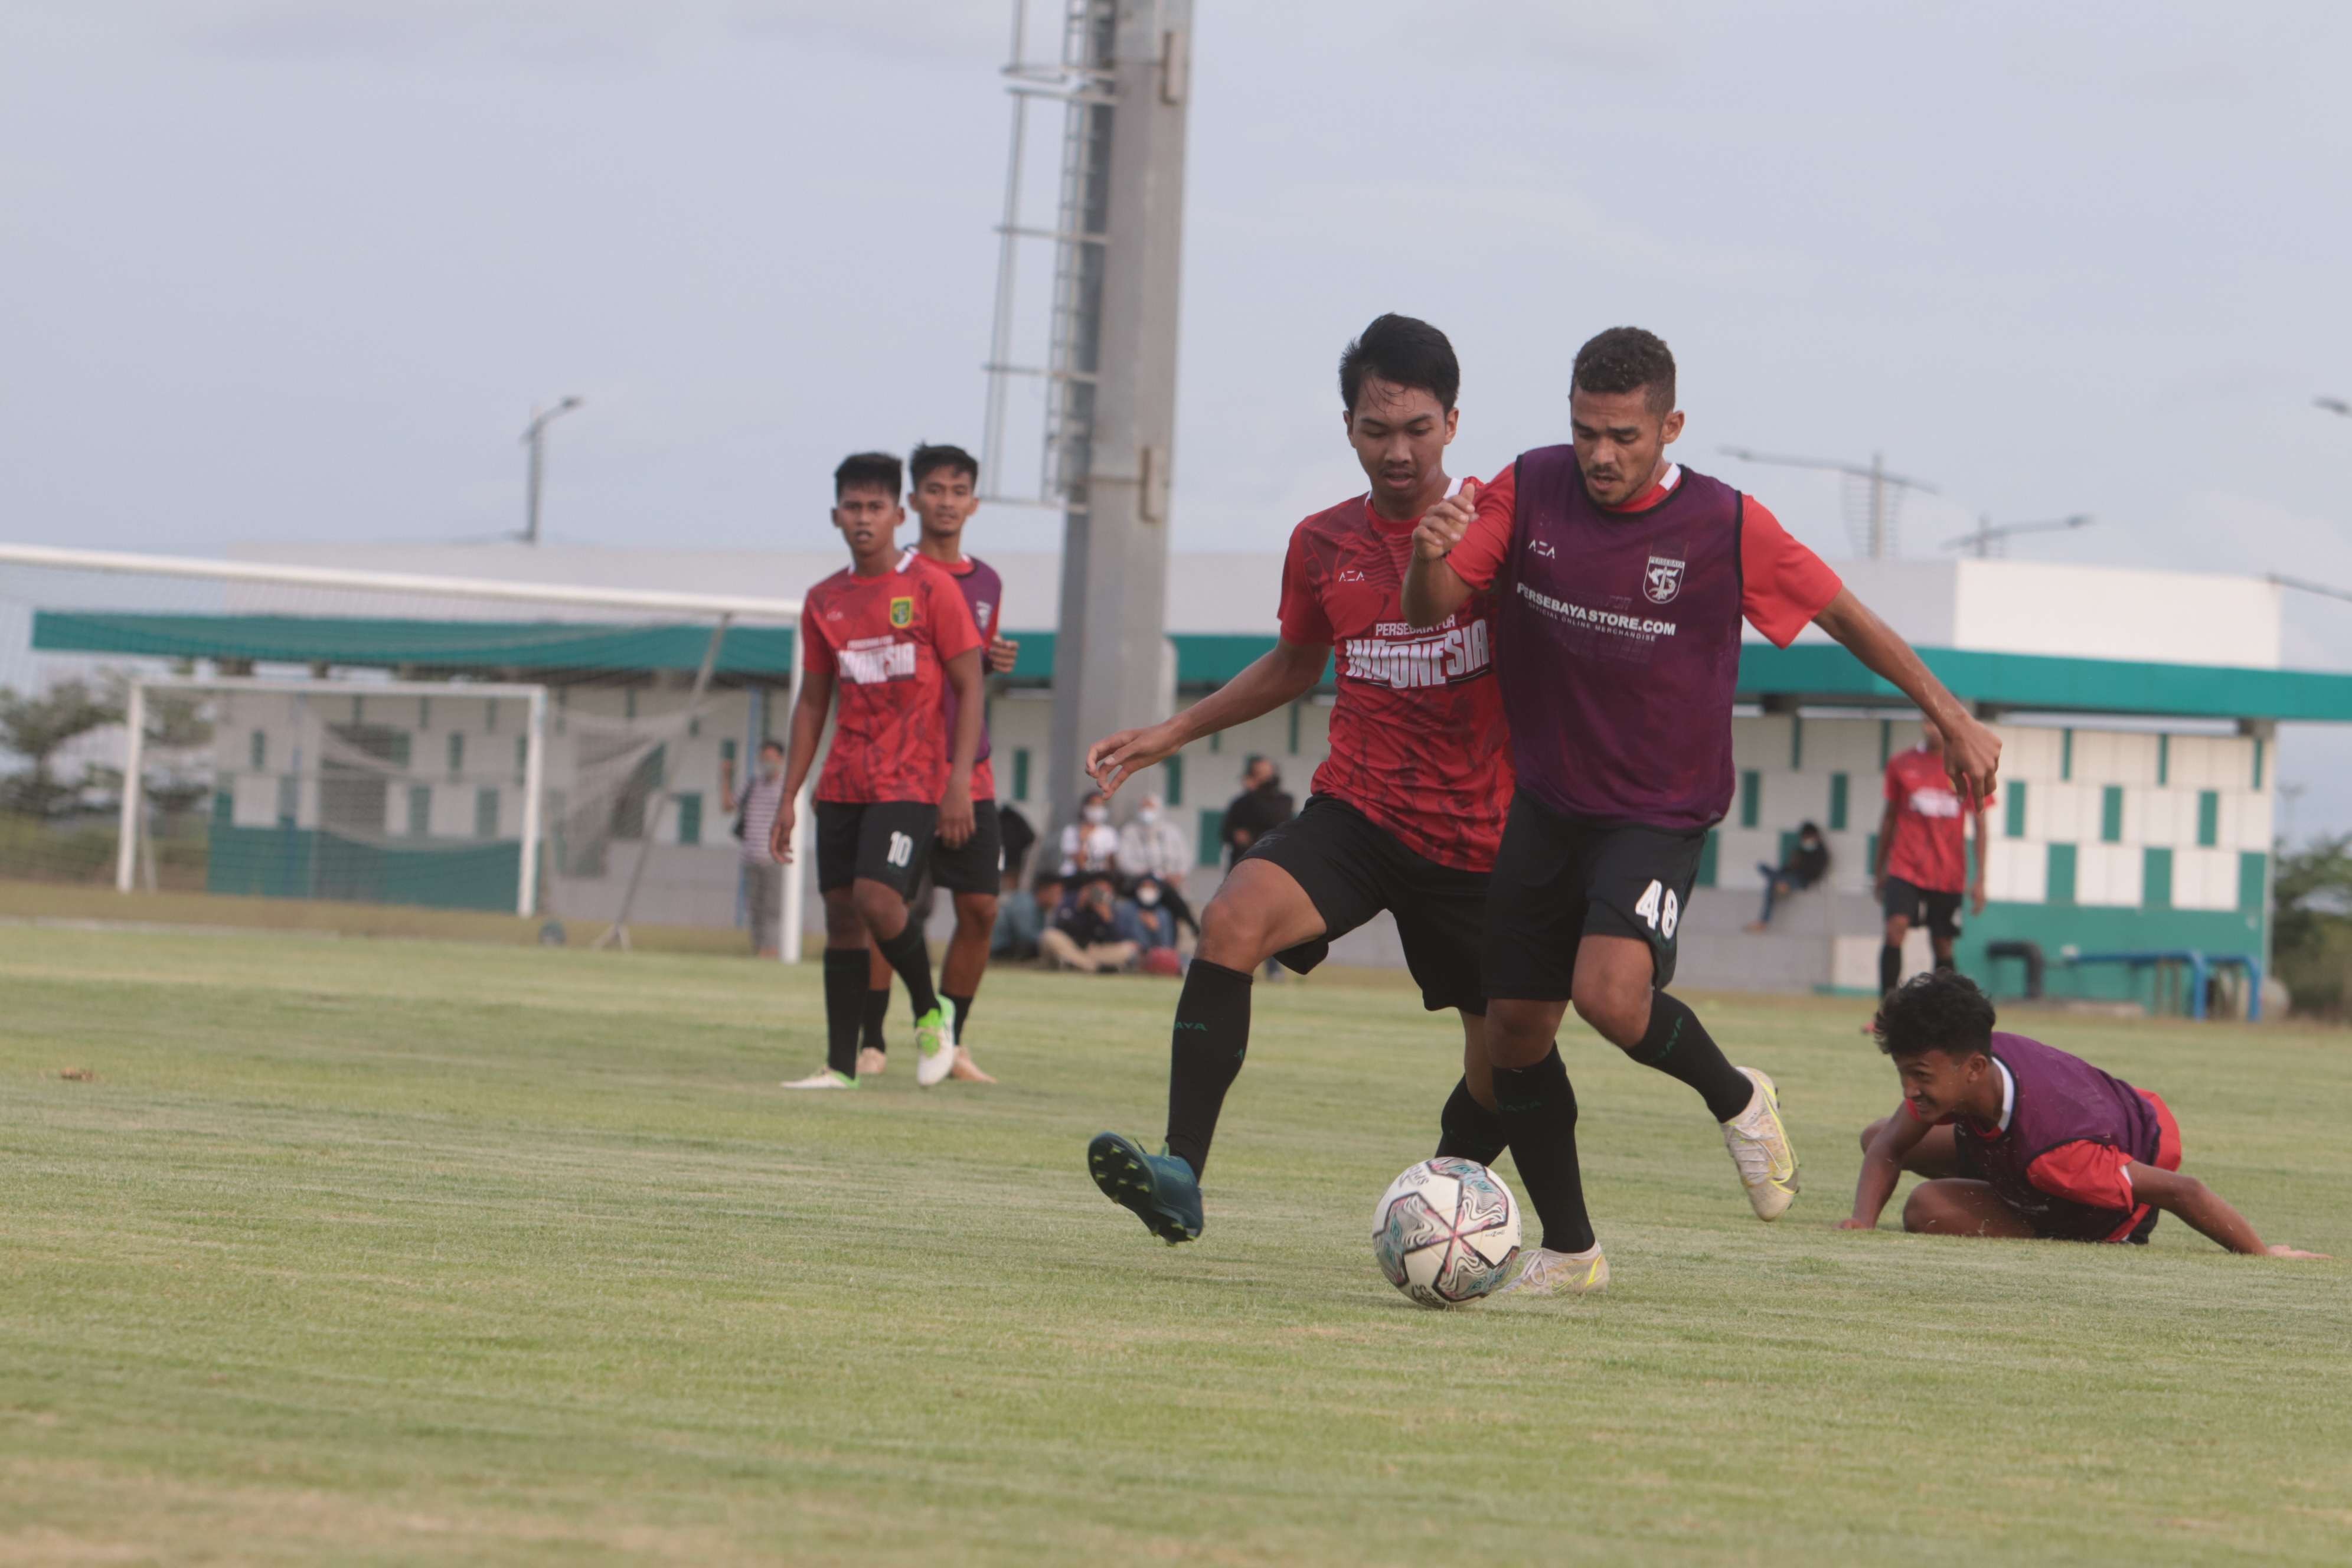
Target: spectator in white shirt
<point>763,878</point>
<point>1152,846</point>
<point>1091,843</point>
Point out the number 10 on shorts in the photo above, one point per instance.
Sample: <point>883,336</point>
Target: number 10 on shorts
<point>901,853</point>
<point>1659,906</point>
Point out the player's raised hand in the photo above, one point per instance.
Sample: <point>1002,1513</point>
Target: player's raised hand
<point>1115,759</point>
<point>1442,526</point>
<point>779,837</point>
<point>1002,654</point>
<point>1972,756</point>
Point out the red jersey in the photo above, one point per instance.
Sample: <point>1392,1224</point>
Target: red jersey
<point>1418,740</point>
<point>1928,846</point>
<point>887,641</point>
<point>983,594</point>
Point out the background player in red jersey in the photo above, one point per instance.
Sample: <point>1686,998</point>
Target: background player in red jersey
<point>1407,808</point>
<point>1922,855</point>
<point>2020,1139</point>
<point>946,491</point>
<point>892,634</point>
<point>1620,580</point>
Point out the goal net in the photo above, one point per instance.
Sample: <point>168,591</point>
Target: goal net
<point>469,744</point>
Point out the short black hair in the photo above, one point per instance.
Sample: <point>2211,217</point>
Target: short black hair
<point>926,457</point>
<point>1404,351</point>
<point>1626,359</point>
<point>870,470</point>
<point>771,745</point>
<point>1941,1010</point>
<point>1048,876</point>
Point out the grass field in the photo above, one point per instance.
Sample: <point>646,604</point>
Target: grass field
<point>383,1251</point>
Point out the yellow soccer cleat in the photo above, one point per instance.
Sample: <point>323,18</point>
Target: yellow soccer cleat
<point>1759,1148</point>
<point>1548,1273</point>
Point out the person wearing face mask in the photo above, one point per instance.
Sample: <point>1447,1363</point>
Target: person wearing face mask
<point>1091,843</point>
<point>755,815</point>
<point>1152,846</point>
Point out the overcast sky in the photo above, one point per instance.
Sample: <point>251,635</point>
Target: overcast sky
<point>281,270</point>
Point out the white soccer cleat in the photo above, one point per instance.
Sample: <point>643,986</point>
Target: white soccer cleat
<point>1759,1148</point>
<point>1548,1273</point>
<point>826,1078</point>
<point>935,1044</point>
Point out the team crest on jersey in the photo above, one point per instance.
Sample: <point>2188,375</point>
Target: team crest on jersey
<point>902,611</point>
<point>1662,580</point>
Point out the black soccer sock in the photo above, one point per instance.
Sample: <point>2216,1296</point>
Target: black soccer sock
<point>963,1012</point>
<point>1468,1129</point>
<point>1890,967</point>
<point>911,957</point>
<point>1678,1045</point>
<point>877,1009</point>
<point>1210,1038</point>
<point>1538,1111</point>
<point>844,998</point>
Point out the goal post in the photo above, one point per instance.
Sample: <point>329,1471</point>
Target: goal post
<point>396,699</point>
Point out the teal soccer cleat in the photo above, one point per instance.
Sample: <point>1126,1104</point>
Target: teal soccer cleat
<point>1159,1188</point>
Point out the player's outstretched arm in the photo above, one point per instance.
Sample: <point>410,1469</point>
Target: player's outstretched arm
<point>1433,590</point>
<point>1285,675</point>
<point>955,806</point>
<point>1970,751</point>
<point>807,728</point>
<point>1882,1168</point>
<point>2204,1210</point>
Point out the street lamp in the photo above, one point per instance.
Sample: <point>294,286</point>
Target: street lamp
<point>534,439</point>
<point>2333,405</point>
<point>1990,535</point>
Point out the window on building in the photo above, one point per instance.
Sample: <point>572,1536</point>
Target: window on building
<point>2208,819</point>
<point>490,717</point>
<point>1751,797</point>
<point>420,811</point>
<point>2014,823</point>
<point>522,758</point>
<point>1020,772</point>
<point>2156,879</point>
<point>256,751</point>
<point>1840,786</point>
<point>2111,815</point>
<point>1211,845</point>
<point>1708,851</point>
<point>2059,882</point>
<point>456,753</point>
<point>1174,768</point>
<point>485,813</point>
<point>689,820</point>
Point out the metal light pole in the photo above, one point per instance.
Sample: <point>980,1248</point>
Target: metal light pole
<point>2333,405</point>
<point>1885,490</point>
<point>1989,536</point>
<point>534,439</point>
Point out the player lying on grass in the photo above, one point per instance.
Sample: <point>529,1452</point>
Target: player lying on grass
<point>1407,809</point>
<point>1620,581</point>
<point>888,632</point>
<point>2020,1139</point>
<point>946,482</point>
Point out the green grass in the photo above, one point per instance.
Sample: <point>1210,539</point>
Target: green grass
<point>384,1251</point>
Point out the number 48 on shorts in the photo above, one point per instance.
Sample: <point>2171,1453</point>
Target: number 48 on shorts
<point>1660,907</point>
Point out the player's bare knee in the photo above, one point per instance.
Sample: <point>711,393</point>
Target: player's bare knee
<point>1233,935</point>
<point>1926,1211</point>
<point>881,909</point>
<point>975,912</point>
<point>1616,1014</point>
<point>843,926</point>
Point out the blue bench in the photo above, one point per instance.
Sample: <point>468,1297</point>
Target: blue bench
<point>2197,962</point>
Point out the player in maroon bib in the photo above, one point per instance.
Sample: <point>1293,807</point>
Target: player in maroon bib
<point>1620,580</point>
<point>2020,1139</point>
<point>891,636</point>
<point>1407,809</point>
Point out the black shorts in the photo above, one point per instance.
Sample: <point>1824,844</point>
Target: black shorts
<point>883,841</point>
<point>977,865</point>
<point>1940,912</point>
<point>1558,879</point>
<point>1352,868</point>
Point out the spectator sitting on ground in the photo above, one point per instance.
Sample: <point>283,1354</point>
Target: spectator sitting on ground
<point>1022,916</point>
<point>1262,806</point>
<point>1091,843</point>
<point>1144,915</point>
<point>1083,932</point>
<point>1808,861</point>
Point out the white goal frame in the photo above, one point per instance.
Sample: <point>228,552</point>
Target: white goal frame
<point>716,611</point>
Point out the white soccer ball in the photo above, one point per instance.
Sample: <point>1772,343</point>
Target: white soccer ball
<point>1446,1232</point>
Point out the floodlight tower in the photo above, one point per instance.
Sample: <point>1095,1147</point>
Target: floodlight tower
<point>1109,415</point>
<point>1875,533</point>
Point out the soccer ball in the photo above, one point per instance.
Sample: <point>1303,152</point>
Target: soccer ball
<point>1446,1232</point>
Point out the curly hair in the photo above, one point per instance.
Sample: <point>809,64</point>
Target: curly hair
<point>1941,1010</point>
<point>1627,359</point>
